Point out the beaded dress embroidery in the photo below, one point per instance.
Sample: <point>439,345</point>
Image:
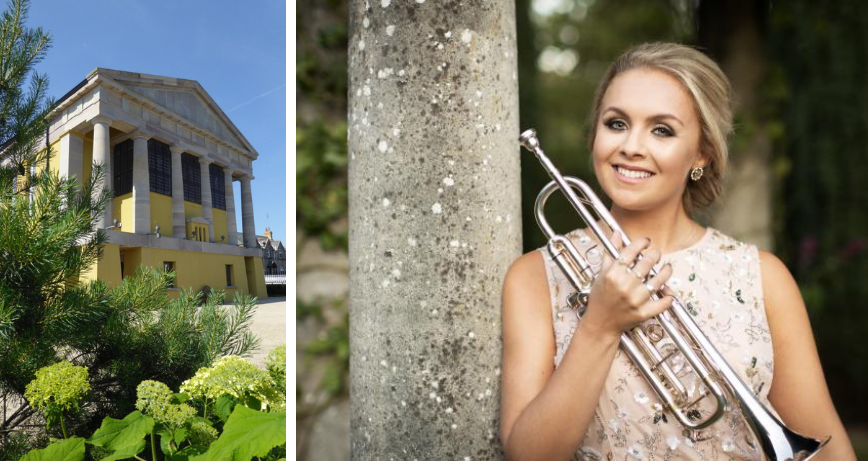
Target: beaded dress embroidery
<point>718,280</point>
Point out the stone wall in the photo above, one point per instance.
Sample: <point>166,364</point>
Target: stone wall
<point>321,277</point>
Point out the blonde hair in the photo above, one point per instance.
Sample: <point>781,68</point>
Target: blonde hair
<point>711,93</point>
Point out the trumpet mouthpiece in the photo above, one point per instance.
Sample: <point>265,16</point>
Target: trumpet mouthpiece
<point>529,140</point>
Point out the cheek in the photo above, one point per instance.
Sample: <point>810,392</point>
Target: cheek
<point>598,159</point>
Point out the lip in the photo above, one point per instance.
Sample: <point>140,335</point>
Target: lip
<point>628,179</point>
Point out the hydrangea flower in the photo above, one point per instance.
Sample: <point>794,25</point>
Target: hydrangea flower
<point>275,364</point>
<point>234,376</point>
<point>202,434</point>
<point>63,385</point>
<point>154,398</point>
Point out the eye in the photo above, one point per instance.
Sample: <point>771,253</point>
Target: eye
<point>663,131</point>
<point>615,124</point>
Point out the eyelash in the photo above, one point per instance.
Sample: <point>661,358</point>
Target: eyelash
<point>619,125</point>
<point>610,124</point>
<point>665,131</point>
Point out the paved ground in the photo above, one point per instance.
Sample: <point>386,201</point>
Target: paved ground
<point>269,323</point>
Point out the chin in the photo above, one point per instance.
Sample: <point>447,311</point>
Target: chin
<point>629,200</point>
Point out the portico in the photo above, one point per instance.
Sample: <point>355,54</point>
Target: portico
<point>171,157</point>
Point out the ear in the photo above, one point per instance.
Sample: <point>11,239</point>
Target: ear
<point>702,161</point>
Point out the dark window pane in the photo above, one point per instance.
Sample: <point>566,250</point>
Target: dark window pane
<point>169,266</point>
<point>192,178</point>
<point>160,167</point>
<point>122,164</point>
<point>218,186</point>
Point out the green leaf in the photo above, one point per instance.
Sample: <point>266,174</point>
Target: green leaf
<point>119,435</point>
<point>197,419</point>
<point>247,433</point>
<point>179,398</point>
<point>188,452</point>
<point>53,414</point>
<point>71,449</point>
<point>126,452</point>
<point>224,405</point>
<point>253,403</point>
<point>166,435</point>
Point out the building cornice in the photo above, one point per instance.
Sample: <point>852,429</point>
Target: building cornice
<point>95,78</point>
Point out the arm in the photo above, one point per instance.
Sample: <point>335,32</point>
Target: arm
<point>799,392</point>
<point>545,412</point>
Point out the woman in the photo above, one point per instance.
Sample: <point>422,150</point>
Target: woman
<point>658,136</point>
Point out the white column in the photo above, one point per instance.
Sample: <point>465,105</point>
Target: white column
<point>231,227</point>
<point>207,212</point>
<point>102,155</point>
<point>72,157</point>
<point>179,229</point>
<point>247,224</point>
<point>141,184</point>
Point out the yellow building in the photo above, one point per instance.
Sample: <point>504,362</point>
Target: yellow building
<point>171,156</point>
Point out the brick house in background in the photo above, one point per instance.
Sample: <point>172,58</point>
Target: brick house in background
<point>273,254</point>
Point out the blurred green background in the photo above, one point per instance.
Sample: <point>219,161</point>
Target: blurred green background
<point>801,68</point>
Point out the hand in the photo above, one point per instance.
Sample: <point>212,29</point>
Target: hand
<point>620,298</point>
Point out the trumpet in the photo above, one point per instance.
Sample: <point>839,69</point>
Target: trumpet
<point>721,384</point>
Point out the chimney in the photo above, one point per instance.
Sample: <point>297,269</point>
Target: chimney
<point>268,233</point>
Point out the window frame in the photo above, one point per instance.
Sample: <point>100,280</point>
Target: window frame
<point>169,266</point>
<point>218,186</point>
<point>159,167</point>
<point>122,168</point>
<point>192,178</point>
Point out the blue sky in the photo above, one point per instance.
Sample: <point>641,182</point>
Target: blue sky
<point>236,50</point>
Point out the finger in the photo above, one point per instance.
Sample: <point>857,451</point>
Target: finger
<point>643,292</point>
<point>656,307</point>
<point>644,265</point>
<point>618,243</point>
<point>631,251</point>
<point>660,278</point>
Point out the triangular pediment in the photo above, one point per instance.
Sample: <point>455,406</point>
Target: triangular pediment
<point>185,98</point>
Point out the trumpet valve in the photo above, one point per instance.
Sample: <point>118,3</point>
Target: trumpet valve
<point>578,301</point>
<point>654,332</point>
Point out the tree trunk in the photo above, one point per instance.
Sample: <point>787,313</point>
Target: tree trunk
<point>732,32</point>
<point>434,223</point>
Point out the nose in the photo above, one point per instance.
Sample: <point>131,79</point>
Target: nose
<point>633,144</point>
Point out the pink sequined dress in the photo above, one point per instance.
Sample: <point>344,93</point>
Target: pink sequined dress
<point>718,279</point>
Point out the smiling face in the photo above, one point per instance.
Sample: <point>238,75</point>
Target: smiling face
<point>647,141</point>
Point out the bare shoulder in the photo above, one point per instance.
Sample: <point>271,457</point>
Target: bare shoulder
<point>773,269</point>
<point>527,267</point>
<point>779,286</point>
<point>526,281</point>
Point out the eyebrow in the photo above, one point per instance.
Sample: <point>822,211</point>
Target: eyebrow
<point>662,116</point>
